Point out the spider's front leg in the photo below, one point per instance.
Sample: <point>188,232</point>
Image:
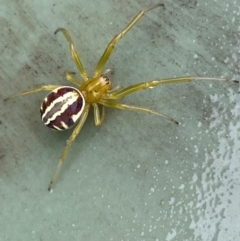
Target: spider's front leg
<point>101,63</point>
<point>71,139</point>
<point>33,90</point>
<point>109,99</point>
<point>114,104</point>
<point>153,83</point>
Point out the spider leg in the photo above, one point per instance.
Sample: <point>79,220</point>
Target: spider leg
<point>108,71</point>
<point>121,106</point>
<point>34,90</point>
<point>69,76</point>
<point>117,87</point>
<point>117,37</point>
<point>97,118</point>
<point>70,140</point>
<point>150,84</point>
<point>75,56</point>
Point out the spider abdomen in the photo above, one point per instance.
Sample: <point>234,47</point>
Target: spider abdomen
<point>62,108</point>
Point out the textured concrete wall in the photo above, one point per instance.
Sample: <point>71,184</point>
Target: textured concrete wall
<point>138,177</point>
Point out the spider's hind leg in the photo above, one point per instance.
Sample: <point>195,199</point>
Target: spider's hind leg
<point>70,141</point>
<point>33,90</point>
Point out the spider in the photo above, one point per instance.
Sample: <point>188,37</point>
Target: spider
<point>67,106</point>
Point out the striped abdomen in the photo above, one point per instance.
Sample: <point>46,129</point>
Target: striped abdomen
<point>62,108</point>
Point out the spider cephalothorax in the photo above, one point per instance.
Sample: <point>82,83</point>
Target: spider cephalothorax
<point>94,89</point>
<point>66,106</point>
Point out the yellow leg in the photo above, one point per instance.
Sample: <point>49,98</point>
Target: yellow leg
<point>108,71</point>
<point>150,84</point>
<point>97,118</point>
<point>74,53</point>
<point>69,76</point>
<point>120,106</point>
<point>34,90</point>
<point>117,87</point>
<point>117,37</point>
<point>71,139</point>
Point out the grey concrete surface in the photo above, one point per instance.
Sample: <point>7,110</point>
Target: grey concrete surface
<point>137,177</point>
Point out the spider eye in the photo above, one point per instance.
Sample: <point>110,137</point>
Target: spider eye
<point>105,79</point>
<point>62,108</point>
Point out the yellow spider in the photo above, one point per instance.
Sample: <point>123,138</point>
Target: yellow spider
<point>66,106</point>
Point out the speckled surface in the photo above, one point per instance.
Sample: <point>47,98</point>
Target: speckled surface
<point>137,177</point>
